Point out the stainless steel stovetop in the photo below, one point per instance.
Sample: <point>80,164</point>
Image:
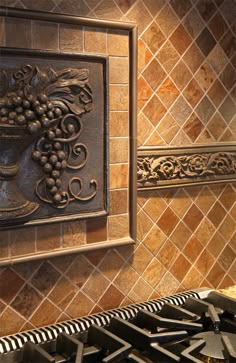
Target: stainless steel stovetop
<point>194,326</point>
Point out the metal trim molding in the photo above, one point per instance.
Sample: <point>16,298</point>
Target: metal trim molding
<point>168,167</point>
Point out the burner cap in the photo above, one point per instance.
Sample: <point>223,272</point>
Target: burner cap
<point>214,347</point>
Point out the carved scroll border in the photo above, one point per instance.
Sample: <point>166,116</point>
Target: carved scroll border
<point>168,167</point>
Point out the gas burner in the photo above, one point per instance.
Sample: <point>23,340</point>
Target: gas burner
<point>187,327</point>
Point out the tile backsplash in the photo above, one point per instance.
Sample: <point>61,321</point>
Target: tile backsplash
<point>186,236</point>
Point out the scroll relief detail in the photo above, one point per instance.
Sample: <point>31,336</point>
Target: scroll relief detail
<point>154,169</point>
<point>47,106</point>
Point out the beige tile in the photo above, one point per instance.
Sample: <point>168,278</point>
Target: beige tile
<point>119,150</point>
<point>118,226</point>
<point>118,70</point>
<point>119,98</point>
<point>22,28</point>
<point>71,38</point>
<point>119,124</point>
<point>95,40</point>
<point>118,43</point>
<point>45,35</point>
<point>74,233</point>
<point>118,176</point>
<point>22,243</point>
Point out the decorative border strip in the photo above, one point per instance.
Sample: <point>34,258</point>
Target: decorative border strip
<point>168,167</point>
<point>45,334</point>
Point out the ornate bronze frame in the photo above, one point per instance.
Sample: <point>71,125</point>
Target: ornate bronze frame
<point>131,29</point>
<point>168,167</point>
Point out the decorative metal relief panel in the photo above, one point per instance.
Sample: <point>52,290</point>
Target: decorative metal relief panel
<point>171,167</point>
<point>53,137</point>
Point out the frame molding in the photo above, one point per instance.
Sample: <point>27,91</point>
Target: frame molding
<point>132,30</point>
<point>168,167</point>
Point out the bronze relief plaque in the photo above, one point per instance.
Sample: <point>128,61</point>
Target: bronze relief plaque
<point>53,137</point>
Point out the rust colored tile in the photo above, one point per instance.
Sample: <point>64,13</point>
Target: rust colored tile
<point>45,278</point>
<point>10,322</point>
<point>108,10</point>
<point>205,200</point>
<point>206,9</point>
<point>228,77</point>
<point>119,124</point>
<point>181,7</point>
<point>233,212</point>
<point>144,92</point>
<point>232,272</point>
<point>217,25</point>
<point>217,93</point>
<point>45,35</point>
<point>168,128</point>
<point>180,236</point>
<point>180,267</point>
<point>167,20</point>
<point>118,43</point>
<point>180,39</point>
<point>48,237</point>
<point>193,279</point>
<point>81,305</point>
<point>193,93</point>
<point>27,301</point>
<point>74,233</point>
<point>168,92</point>
<point>227,198</point>
<point>216,214</point>
<point>22,28</point>
<point>227,228</point>
<point>228,43</point>
<point>154,74</point>
<point>118,202</point>
<point>63,262</point>
<point>8,277</point>
<point>227,257</point>
<point>205,76</point>
<point>71,37</point>
<point>144,128</point>
<point>154,140</point>
<point>216,244</point>
<point>141,259</point>
<point>227,109</point>
<point>144,55</point>
<point>205,262</point>
<point>4,245</point>
<point>206,41</point>
<point>193,23</point>
<point>111,264</point>
<point>118,226</point>
<point>192,249</point>
<point>143,225</point>
<point>217,126</point>
<point>167,56</point>
<point>126,279</point>
<point>217,59</point>
<point>167,254</point>
<point>168,285</point>
<point>22,243</point>
<point>119,97</point>
<point>141,291</point>
<point>181,75</point>
<point>193,127</point>
<point>79,275</point>
<point>111,299</point>
<point>119,176</point>
<point>154,272</point>
<point>46,314</point>
<point>193,217</point>
<point>118,70</point>
<point>180,203</point>
<point>193,58</point>
<point>62,293</point>
<point>95,40</point>
<point>27,326</point>
<point>205,231</point>
<point>155,207</point>
<point>96,230</point>
<point>154,239</point>
<point>154,110</point>
<point>226,282</point>
<point>140,15</point>
<point>168,221</point>
<point>215,275</point>
<point>95,286</point>
<point>153,37</point>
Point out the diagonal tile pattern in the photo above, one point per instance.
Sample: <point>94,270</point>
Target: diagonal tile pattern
<point>186,237</point>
